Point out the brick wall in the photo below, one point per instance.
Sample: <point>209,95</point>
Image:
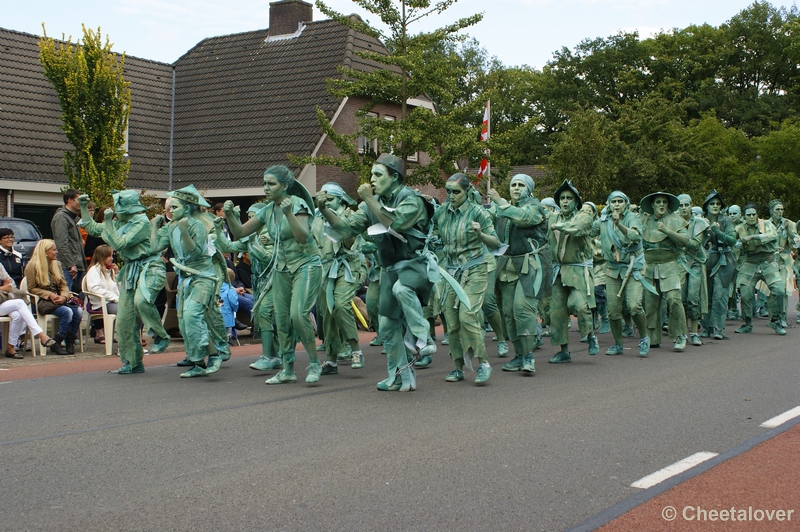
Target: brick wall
<point>286,14</point>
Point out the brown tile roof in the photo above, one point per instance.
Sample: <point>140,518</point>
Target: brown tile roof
<point>32,143</point>
<point>244,102</point>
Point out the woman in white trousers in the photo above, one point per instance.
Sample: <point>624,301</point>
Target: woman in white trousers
<point>21,317</point>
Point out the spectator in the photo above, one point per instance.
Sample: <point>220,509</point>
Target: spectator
<point>68,241</point>
<point>46,280</point>
<point>13,306</point>
<point>10,258</point>
<point>101,279</point>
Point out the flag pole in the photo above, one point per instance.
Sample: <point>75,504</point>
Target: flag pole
<point>489,131</point>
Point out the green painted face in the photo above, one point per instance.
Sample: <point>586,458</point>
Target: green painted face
<point>660,206</point>
<point>455,194</point>
<point>685,209</point>
<point>714,207</point>
<point>382,180</point>
<point>177,209</point>
<point>273,190</point>
<point>567,202</point>
<point>777,212</point>
<point>751,217</point>
<point>617,205</point>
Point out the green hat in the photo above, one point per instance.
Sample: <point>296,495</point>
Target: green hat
<point>127,202</point>
<point>189,194</point>
<point>568,186</point>
<point>392,162</point>
<point>646,205</point>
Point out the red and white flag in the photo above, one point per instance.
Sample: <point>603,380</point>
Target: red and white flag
<point>484,169</point>
<point>485,124</point>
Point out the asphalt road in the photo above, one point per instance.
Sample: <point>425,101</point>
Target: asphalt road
<point>94,451</point>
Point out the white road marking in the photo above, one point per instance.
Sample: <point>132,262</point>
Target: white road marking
<point>781,419</point>
<point>672,470</point>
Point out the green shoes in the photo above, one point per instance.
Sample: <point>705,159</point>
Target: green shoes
<point>562,357</point>
<point>266,363</point>
<point>455,376</point>
<point>384,385</point>
<point>376,341</point>
<point>502,349</point>
<point>615,349</point>
<point>528,363</point>
<point>196,371</point>
<point>357,361</point>
<point>644,347</point>
<point>185,363</point>
<point>314,371</point>
<point>695,339</point>
<point>128,370</point>
<point>515,364</point>
<point>744,329</point>
<point>484,372</point>
<point>159,345</point>
<point>776,326</point>
<point>282,377</point>
<point>214,363</point>
<point>680,343</point>
<point>423,362</point>
<point>594,347</point>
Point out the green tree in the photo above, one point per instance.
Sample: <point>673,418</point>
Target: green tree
<point>410,70</point>
<point>95,103</point>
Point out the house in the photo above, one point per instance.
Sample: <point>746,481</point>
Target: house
<point>222,113</point>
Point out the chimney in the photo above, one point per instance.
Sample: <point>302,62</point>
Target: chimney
<point>286,15</point>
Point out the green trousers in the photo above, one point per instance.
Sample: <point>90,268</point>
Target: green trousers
<point>676,317</point>
<point>749,275</point>
<point>519,312</point>
<point>465,326</point>
<point>133,307</point>
<point>339,325</point>
<point>200,319</point>
<point>294,296</point>
<point>563,300</point>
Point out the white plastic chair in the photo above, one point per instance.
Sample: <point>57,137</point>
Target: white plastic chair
<point>108,319</point>
<point>5,323</point>
<point>45,320</point>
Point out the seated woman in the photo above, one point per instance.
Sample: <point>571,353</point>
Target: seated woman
<point>46,281</point>
<point>15,307</point>
<point>101,279</point>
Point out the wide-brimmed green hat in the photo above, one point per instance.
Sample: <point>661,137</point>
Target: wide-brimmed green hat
<point>713,194</point>
<point>127,202</point>
<point>189,194</point>
<point>567,185</point>
<point>646,205</point>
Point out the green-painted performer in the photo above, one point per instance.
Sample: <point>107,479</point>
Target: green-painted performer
<point>127,230</point>
<point>466,230</point>
<point>523,271</point>
<point>787,239</point>
<point>759,245</point>
<point>621,241</point>
<point>735,214</point>
<point>343,274</point>
<point>694,289</point>
<point>297,273</point>
<point>663,238</point>
<point>399,220</point>
<point>718,241</point>
<point>199,281</point>
<point>569,233</point>
<point>261,261</point>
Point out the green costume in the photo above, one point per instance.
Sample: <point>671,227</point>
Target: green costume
<point>465,260</point>
<point>718,243</point>
<point>262,312</point>
<point>140,279</point>
<point>343,274</point>
<point>694,289</point>
<point>523,271</point>
<point>401,230</point>
<point>787,239</point>
<point>663,238</point>
<point>759,246</point>
<point>621,242</point>
<point>199,316</point>
<point>569,234</point>
<point>296,279</point>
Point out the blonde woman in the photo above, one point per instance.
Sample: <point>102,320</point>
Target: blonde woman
<point>17,309</point>
<point>46,280</point>
<point>101,279</point>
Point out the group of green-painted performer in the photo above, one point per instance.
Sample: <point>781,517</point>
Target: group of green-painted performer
<point>523,266</point>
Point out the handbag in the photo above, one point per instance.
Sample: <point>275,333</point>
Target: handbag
<point>45,306</point>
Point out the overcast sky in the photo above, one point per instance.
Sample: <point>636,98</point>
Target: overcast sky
<point>515,31</point>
